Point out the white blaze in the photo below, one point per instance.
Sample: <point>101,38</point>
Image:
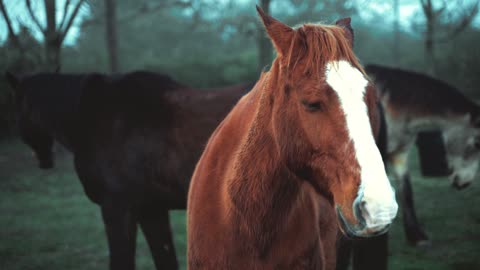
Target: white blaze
<point>350,85</point>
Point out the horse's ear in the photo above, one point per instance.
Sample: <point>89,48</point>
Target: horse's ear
<point>13,80</point>
<point>280,34</point>
<point>347,28</point>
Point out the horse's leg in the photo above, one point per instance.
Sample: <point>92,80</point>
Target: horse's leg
<point>121,231</point>
<point>371,254</point>
<point>156,228</point>
<point>414,232</point>
<point>344,251</point>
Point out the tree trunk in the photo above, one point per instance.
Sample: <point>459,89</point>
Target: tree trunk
<point>396,32</point>
<point>52,54</point>
<point>264,44</point>
<point>53,40</point>
<point>111,34</point>
<point>430,45</point>
<point>431,15</point>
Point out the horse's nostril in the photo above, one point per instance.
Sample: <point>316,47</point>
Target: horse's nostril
<point>361,212</point>
<point>363,206</point>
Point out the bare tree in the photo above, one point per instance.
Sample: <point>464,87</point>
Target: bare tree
<point>111,34</point>
<point>455,19</point>
<point>24,52</point>
<point>396,31</point>
<point>54,33</point>
<point>11,34</point>
<point>142,11</point>
<point>265,49</point>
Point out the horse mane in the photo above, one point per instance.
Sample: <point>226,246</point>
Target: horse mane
<point>318,44</point>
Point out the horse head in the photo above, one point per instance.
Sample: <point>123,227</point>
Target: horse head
<point>462,143</point>
<point>324,121</point>
<point>32,131</point>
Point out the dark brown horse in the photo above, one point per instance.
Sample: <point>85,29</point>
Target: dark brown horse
<point>416,103</point>
<point>293,159</point>
<point>135,140</point>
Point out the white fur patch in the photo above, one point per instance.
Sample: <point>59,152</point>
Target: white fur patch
<point>462,154</point>
<point>378,195</point>
<point>464,170</point>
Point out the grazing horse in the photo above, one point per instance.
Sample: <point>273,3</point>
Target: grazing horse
<point>135,139</point>
<point>295,158</point>
<point>417,103</point>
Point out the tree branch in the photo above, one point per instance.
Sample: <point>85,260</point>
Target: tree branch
<point>424,4</point>
<point>439,11</point>
<point>65,11</point>
<point>464,23</point>
<point>64,32</point>
<point>34,18</point>
<point>11,34</point>
<point>142,11</point>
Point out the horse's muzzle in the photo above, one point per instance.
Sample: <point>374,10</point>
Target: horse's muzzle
<point>360,230</point>
<point>460,186</point>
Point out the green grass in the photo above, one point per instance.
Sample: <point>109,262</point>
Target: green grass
<point>46,222</point>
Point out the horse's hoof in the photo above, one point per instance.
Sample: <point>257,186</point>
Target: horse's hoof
<point>418,238</point>
<point>423,244</point>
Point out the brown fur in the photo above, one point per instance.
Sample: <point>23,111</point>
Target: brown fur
<point>263,194</point>
<point>409,94</point>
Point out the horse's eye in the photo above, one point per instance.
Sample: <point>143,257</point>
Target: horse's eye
<point>312,106</point>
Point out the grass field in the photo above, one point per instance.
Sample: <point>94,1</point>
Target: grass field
<point>46,222</point>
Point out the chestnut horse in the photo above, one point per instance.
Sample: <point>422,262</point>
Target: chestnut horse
<point>292,160</point>
<point>135,139</point>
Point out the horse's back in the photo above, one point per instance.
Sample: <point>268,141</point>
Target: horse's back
<point>152,128</point>
<point>404,91</point>
<point>127,139</point>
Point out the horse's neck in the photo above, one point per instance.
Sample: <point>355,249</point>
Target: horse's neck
<point>262,187</point>
<point>60,114</point>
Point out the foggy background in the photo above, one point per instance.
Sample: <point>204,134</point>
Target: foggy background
<point>209,43</point>
<point>217,42</point>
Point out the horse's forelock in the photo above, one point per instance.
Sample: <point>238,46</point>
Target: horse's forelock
<point>314,45</point>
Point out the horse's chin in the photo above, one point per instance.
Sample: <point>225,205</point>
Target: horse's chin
<point>359,230</point>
